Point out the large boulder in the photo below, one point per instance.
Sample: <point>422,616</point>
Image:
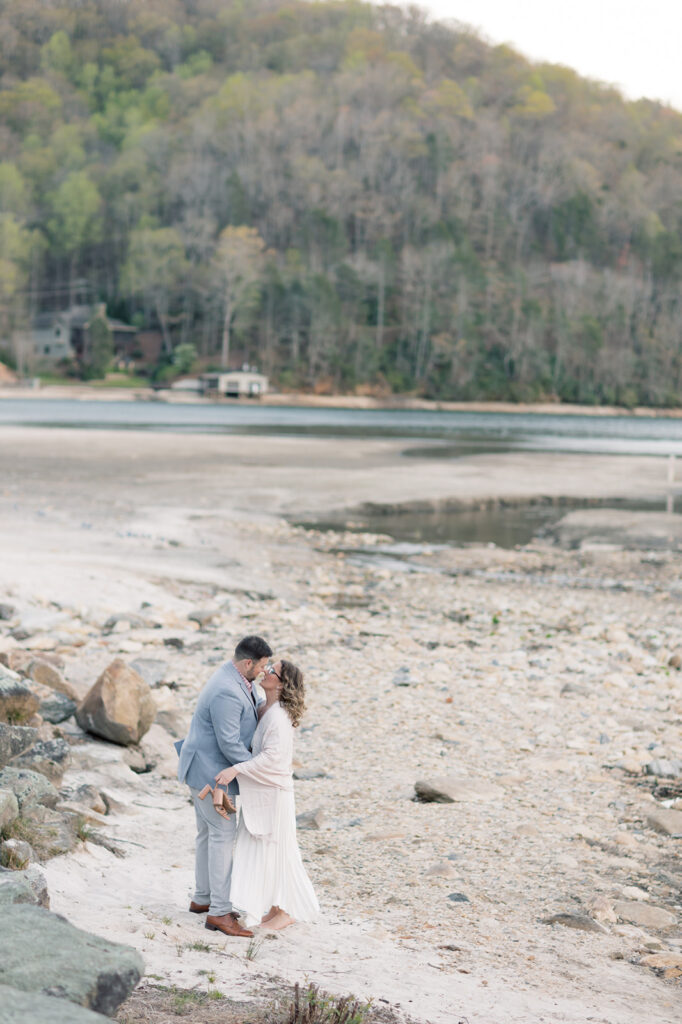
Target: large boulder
<point>43,953</point>
<point>49,757</point>
<point>30,788</point>
<point>119,707</point>
<point>14,740</point>
<point>17,703</point>
<point>18,1007</point>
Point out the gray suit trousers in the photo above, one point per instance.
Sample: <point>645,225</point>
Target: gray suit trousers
<point>213,856</point>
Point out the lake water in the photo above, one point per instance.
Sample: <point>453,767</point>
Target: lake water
<point>427,434</point>
<point>455,433</point>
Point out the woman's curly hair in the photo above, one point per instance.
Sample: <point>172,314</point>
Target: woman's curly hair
<point>293,692</point>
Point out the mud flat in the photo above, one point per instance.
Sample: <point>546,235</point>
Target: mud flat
<point>533,689</point>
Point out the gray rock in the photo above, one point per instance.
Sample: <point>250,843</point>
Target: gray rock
<point>676,659</point>
<point>134,620</point>
<point>664,769</point>
<point>55,707</point>
<point>310,819</point>
<point>576,688</point>
<point>458,897</point>
<point>452,789</point>
<point>403,677</point>
<point>41,952</point>
<point>202,616</point>
<point>7,611</point>
<point>17,703</point>
<point>306,774</point>
<point>16,888</point>
<point>17,659</point>
<point>43,672</point>
<point>644,915</point>
<point>667,821</point>
<point>580,921</point>
<point>174,722</point>
<point>15,853</point>
<point>152,670</point>
<point>18,1007</point>
<point>51,833</point>
<point>14,740</point>
<point>28,886</point>
<point>49,757</point>
<point>30,788</point>
<point>9,808</point>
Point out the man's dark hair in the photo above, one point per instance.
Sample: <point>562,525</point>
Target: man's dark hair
<point>253,647</point>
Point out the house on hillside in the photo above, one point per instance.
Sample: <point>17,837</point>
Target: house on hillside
<point>63,334</point>
<point>245,383</point>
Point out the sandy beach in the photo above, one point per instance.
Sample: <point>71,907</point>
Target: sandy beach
<point>539,677</point>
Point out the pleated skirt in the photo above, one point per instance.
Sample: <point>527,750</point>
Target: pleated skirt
<point>268,872</point>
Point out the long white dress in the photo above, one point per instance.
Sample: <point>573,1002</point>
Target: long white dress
<point>267,870</point>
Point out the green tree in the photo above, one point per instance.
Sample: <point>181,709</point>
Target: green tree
<point>239,261</point>
<point>155,268</point>
<point>75,207</point>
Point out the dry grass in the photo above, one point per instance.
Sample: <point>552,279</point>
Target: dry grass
<point>279,1004</point>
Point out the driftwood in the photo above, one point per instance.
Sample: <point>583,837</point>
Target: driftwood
<point>221,800</point>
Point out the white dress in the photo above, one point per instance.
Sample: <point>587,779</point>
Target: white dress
<point>267,870</point>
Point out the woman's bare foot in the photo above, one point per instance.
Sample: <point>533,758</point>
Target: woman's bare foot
<point>270,914</point>
<point>279,921</point>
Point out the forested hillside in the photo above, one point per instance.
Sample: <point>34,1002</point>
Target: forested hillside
<point>345,195</point>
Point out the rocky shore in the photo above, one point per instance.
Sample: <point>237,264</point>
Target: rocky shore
<point>489,774</point>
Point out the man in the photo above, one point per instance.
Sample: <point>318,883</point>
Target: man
<point>220,736</point>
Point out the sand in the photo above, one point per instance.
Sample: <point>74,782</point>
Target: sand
<point>452,664</point>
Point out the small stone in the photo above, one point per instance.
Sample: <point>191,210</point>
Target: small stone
<point>675,660</point>
<point>202,616</point>
<point>152,670</point>
<point>575,688</point>
<point>602,910</point>
<point>662,960</point>
<point>580,921</point>
<point>54,707</point>
<point>644,915</point>
<point>443,869</point>
<point>664,769</point>
<point>310,819</point>
<point>47,675</point>
<point>403,677</point>
<point>307,774</point>
<point>127,620</point>
<point>458,897</point>
<point>91,797</point>
<point>451,789</point>
<point>7,611</point>
<point>174,641</point>
<point>667,821</point>
<point>18,660</point>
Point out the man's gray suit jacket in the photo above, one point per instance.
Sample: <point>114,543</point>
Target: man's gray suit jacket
<point>221,730</point>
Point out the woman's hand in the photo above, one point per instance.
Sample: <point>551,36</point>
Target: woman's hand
<point>225,777</point>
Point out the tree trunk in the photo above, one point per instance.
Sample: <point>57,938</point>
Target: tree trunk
<point>225,350</point>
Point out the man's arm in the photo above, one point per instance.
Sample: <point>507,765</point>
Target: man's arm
<point>226,711</point>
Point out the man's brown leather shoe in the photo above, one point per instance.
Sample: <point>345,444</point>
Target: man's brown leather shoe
<point>198,908</point>
<point>227,924</point>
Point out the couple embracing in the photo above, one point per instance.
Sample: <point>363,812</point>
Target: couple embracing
<point>236,740</point>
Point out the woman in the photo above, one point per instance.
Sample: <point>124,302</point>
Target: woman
<point>269,883</point>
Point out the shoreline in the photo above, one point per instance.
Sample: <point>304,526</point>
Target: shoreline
<point>85,392</point>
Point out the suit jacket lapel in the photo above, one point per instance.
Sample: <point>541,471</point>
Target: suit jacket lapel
<point>244,688</point>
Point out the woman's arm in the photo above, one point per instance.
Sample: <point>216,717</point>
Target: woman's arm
<point>272,766</point>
